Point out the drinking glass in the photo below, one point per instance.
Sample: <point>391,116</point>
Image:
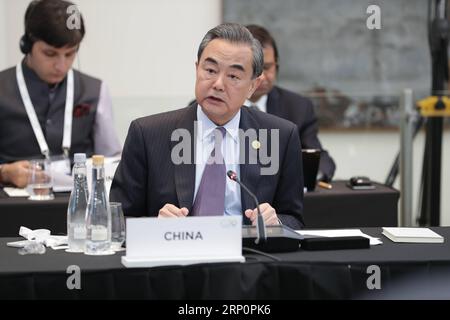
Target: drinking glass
<point>40,182</point>
<point>117,226</point>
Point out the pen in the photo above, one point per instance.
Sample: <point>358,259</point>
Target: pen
<point>325,185</point>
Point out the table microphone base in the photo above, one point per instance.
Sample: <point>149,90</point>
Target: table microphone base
<point>284,239</point>
<point>279,239</point>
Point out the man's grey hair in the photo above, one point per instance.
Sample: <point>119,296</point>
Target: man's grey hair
<point>236,33</point>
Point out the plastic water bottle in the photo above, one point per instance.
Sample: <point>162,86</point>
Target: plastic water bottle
<point>76,211</point>
<point>98,217</point>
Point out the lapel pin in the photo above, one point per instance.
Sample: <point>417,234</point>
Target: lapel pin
<point>256,144</point>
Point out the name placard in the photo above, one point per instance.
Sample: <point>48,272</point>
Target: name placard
<point>181,241</point>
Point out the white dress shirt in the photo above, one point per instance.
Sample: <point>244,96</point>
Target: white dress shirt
<point>230,150</point>
<point>261,104</point>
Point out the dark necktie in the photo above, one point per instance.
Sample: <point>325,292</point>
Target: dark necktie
<point>210,199</point>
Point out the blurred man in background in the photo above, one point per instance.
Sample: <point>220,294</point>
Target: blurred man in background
<point>286,104</point>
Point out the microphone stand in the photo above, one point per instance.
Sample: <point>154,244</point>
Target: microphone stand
<point>280,237</point>
<point>261,234</point>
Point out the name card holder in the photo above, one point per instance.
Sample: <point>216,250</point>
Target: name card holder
<point>155,242</point>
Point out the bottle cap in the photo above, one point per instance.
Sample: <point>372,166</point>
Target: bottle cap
<point>98,160</point>
<point>79,157</point>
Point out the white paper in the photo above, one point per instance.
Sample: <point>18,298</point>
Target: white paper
<point>340,233</point>
<point>16,192</point>
<point>61,166</point>
<point>62,182</point>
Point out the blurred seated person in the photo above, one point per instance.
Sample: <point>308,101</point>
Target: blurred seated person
<point>46,108</point>
<point>286,104</point>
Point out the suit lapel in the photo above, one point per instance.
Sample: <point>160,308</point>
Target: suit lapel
<point>250,169</point>
<point>185,172</point>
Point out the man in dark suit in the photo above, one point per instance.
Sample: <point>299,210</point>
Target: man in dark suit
<point>286,104</point>
<point>158,178</point>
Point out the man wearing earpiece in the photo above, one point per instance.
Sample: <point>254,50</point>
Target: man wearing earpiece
<point>46,108</point>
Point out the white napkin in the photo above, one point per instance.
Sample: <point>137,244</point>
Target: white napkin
<point>40,236</point>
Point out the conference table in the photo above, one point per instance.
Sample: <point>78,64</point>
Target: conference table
<point>387,271</point>
<point>339,207</point>
<point>342,207</point>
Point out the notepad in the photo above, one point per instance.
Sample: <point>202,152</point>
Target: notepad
<point>412,235</point>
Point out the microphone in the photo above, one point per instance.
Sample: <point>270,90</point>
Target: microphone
<point>261,234</point>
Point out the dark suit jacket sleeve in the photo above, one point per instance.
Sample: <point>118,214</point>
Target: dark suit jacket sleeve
<point>309,139</point>
<point>130,180</point>
<point>289,195</point>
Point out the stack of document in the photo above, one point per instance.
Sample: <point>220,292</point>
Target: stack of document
<point>412,235</point>
<point>335,233</point>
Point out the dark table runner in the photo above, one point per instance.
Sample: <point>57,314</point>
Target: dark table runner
<point>405,271</point>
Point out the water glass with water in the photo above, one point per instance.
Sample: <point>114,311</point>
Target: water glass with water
<point>40,182</point>
<point>117,226</point>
